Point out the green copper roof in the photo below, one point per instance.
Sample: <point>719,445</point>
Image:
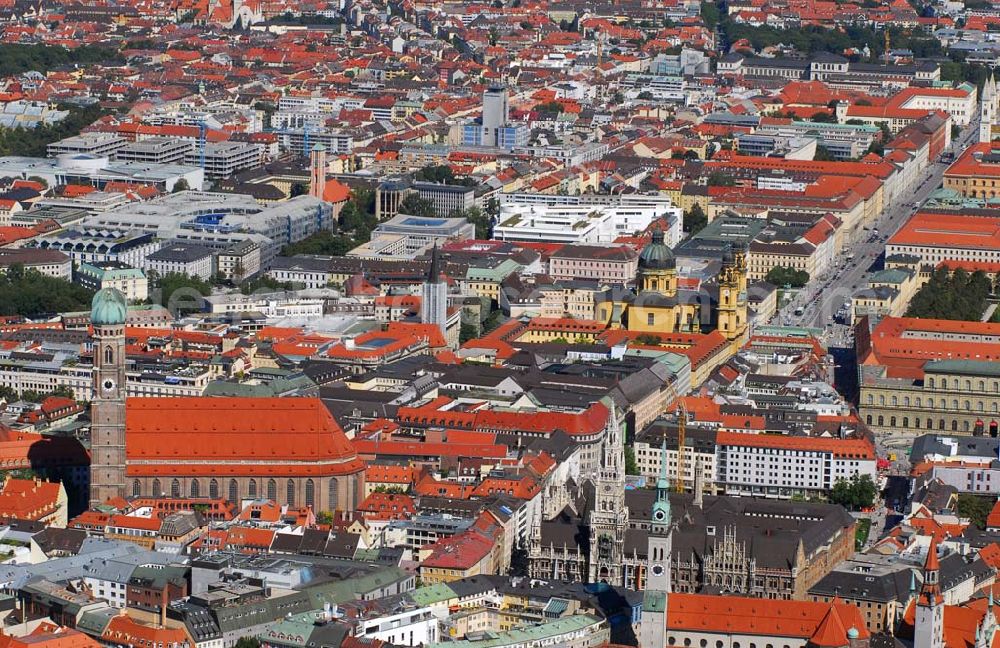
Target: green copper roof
<point>654,601</point>
<point>108,308</point>
<point>657,255</point>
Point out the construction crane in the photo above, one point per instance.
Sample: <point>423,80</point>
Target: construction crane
<point>682,416</point>
<point>202,137</point>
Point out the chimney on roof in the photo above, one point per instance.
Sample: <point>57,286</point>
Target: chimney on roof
<point>163,606</point>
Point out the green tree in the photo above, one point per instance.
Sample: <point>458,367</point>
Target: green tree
<point>952,296</point>
<point>17,58</point>
<point>720,179</point>
<point>476,216</point>
<point>631,468</point>
<point>975,508</point>
<point>855,493</point>
<point>784,276</point>
<point>695,220</point>
<point>30,293</point>
<point>414,205</point>
<point>266,283</point>
<point>324,517</point>
<point>441,173</point>
<point>181,185</point>
<point>324,243</point>
<point>710,14</point>
<point>823,154</point>
<point>467,332</point>
<point>33,142</point>
<point>248,642</point>
<point>519,559</point>
<point>181,292</point>
<point>550,106</point>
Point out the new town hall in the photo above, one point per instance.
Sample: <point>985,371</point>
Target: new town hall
<point>749,546</point>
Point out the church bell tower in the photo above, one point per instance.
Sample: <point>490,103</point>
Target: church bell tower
<point>653,627</point>
<point>733,313</point>
<point>107,406</point>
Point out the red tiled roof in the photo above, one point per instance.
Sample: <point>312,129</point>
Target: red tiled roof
<point>424,449</point>
<point>28,499</point>
<point>48,635</point>
<point>217,435</point>
<point>388,474</point>
<point>736,615</point>
<point>590,421</point>
<point>962,231</point>
<point>459,552</point>
<point>854,448</point>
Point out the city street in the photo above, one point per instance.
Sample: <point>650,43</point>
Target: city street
<point>825,294</point>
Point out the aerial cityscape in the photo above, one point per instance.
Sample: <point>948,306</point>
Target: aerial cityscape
<point>505,324</point>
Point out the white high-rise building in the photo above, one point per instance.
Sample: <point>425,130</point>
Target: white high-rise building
<point>434,296</point>
<point>495,113</point>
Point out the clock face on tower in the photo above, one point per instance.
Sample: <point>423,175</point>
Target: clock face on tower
<point>658,515</point>
<point>108,386</point>
<point>657,569</point>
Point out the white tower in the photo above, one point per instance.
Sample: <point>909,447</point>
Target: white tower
<point>653,628</point>
<point>496,111</point>
<point>928,627</point>
<point>434,296</point>
<point>987,109</point>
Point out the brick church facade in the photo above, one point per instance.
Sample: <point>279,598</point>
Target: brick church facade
<point>289,450</point>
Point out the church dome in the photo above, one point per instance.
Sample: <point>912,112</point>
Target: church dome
<point>108,308</point>
<point>657,255</point>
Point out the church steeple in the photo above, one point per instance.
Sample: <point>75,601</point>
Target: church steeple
<point>434,296</point>
<point>107,406</point>
<point>988,109</point>
<point>434,272</point>
<point>653,628</point>
<point>928,628</point>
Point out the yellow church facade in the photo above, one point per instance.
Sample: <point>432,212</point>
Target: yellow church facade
<point>657,306</point>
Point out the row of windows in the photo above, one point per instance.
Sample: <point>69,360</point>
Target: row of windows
<point>965,425</point>
<point>894,401</point>
<point>671,640</point>
<point>270,490</point>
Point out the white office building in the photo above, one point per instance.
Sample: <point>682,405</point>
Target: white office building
<point>223,159</point>
<point>87,143</point>
<point>157,150</point>
<point>778,466</point>
<point>218,220</point>
<point>580,219</point>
